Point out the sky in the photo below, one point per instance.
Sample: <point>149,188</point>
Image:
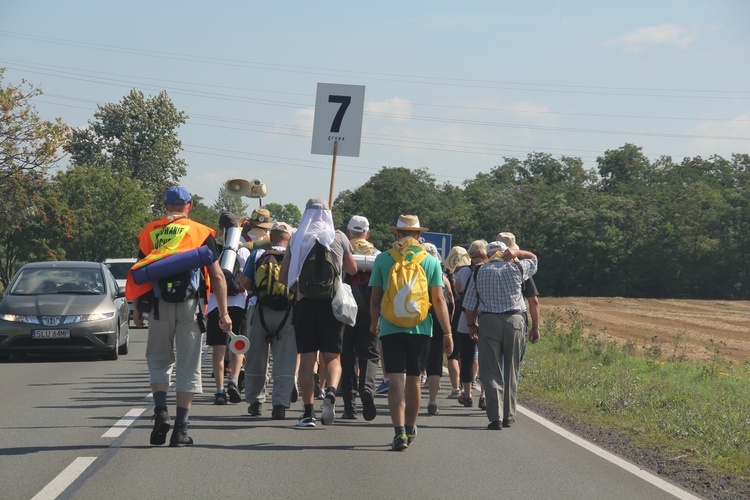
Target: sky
<point>452,87</point>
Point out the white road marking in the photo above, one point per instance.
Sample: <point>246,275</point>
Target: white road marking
<point>65,478</point>
<point>125,422</point>
<point>623,464</point>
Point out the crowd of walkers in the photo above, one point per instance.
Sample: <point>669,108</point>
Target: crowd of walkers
<point>416,315</point>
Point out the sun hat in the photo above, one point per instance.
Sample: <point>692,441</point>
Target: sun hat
<point>260,218</point>
<point>496,246</point>
<point>507,238</point>
<point>407,223</point>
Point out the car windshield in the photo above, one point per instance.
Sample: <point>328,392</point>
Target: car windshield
<point>119,269</point>
<point>78,281</point>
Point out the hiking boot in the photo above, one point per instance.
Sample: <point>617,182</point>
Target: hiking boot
<point>161,427</point>
<point>220,398</point>
<point>465,400</point>
<point>278,412</point>
<point>368,406</point>
<point>411,437</point>
<point>328,416</point>
<point>400,443</point>
<point>383,387</point>
<point>180,438</point>
<point>495,425</point>
<point>234,394</point>
<point>508,422</point>
<point>432,408</point>
<point>455,393</point>
<point>306,421</point>
<point>255,409</point>
<point>482,403</point>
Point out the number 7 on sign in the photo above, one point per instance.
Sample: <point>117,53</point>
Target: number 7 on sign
<point>338,119</point>
<point>344,101</point>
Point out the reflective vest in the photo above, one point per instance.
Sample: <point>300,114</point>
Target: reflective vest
<point>162,238</point>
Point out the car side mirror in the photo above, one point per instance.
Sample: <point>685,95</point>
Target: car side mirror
<point>120,292</point>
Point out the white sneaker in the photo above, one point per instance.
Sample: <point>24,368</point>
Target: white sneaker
<point>329,412</point>
<point>455,393</point>
<point>306,422</point>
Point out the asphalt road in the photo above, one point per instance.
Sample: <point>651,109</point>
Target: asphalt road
<point>79,428</point>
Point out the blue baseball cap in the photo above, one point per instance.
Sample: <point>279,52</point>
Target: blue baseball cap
<point>177,196</point>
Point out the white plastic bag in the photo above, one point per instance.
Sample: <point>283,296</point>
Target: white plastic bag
<point>344,305</point>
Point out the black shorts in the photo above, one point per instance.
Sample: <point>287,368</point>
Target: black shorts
<point>316,328</point>
<point>214,335</point>
<point>405,353</point>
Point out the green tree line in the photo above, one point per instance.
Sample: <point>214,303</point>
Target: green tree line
<point>630,227</point>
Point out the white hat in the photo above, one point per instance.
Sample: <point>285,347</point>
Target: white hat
<point>496,246</point>
<point>358,223</point>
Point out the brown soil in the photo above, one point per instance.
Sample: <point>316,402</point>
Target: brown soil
<point>691,329</point>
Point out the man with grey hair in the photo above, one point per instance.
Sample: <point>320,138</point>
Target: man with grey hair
<point>530,292</point>
<point>493,304</point>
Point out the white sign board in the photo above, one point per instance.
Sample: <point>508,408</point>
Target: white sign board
<point>338,117</point>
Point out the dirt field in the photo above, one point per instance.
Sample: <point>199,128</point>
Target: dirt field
<point>689,324</point>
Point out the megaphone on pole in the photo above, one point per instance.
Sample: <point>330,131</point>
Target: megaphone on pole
<point>238,344</point>
<point>240,187</point>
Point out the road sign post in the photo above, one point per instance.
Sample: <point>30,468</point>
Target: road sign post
<point>337,127</point>
<point>441,240</point>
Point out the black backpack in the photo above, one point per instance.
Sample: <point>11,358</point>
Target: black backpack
<point>177,288</point>
<point>318,278</point>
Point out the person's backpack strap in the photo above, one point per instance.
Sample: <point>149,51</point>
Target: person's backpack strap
<point>474,277</point>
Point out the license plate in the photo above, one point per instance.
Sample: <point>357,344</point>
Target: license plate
<point>50,334</point>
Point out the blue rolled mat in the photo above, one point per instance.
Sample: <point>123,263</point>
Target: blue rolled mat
<point>178,263</point>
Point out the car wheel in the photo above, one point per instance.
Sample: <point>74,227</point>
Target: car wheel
<point>125,348</point>
<point>114,353</point>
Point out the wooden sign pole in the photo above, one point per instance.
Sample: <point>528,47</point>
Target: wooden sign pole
<point>333,174</point>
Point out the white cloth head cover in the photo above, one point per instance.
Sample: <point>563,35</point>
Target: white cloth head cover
<point>316,225</point>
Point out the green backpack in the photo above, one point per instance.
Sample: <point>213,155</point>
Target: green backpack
<point>269,289</point>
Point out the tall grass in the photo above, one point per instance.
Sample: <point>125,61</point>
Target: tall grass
<point>693,411</point>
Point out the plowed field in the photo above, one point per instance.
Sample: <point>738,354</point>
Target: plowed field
<point>693,329</point>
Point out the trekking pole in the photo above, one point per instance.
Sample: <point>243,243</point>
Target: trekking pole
<point>333,173</point>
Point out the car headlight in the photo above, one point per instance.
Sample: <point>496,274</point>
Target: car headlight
<point>17,318</point>
<point>64,320</point>
<point>87,317</point>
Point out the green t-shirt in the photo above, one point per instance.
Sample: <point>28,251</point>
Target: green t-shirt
<point>381,270</point>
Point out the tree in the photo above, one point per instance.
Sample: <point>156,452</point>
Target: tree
<point>109,209</point>
<point>289,213</point>
<point>228,203</point>
<point>388,194</point>
<point>200,212</point>
<point>137,138</point>
<point>29,210</point>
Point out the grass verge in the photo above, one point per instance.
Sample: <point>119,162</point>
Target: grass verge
<point>695,412</point>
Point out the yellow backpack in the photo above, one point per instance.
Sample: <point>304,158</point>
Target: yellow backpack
<point>406,301</point>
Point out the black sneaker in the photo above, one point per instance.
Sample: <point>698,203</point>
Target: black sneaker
<point>278,412</point>
<point>161,427</point>
<point>255,409</point>
<point>495,425</point>
<point>234,394</point>
<point>400,443</point>
<point>349,415</point>
<point>220,398</point>
<point>368,406</point>
<point>241,381</point>
<point>180,438</point>
<point>509,422</point>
